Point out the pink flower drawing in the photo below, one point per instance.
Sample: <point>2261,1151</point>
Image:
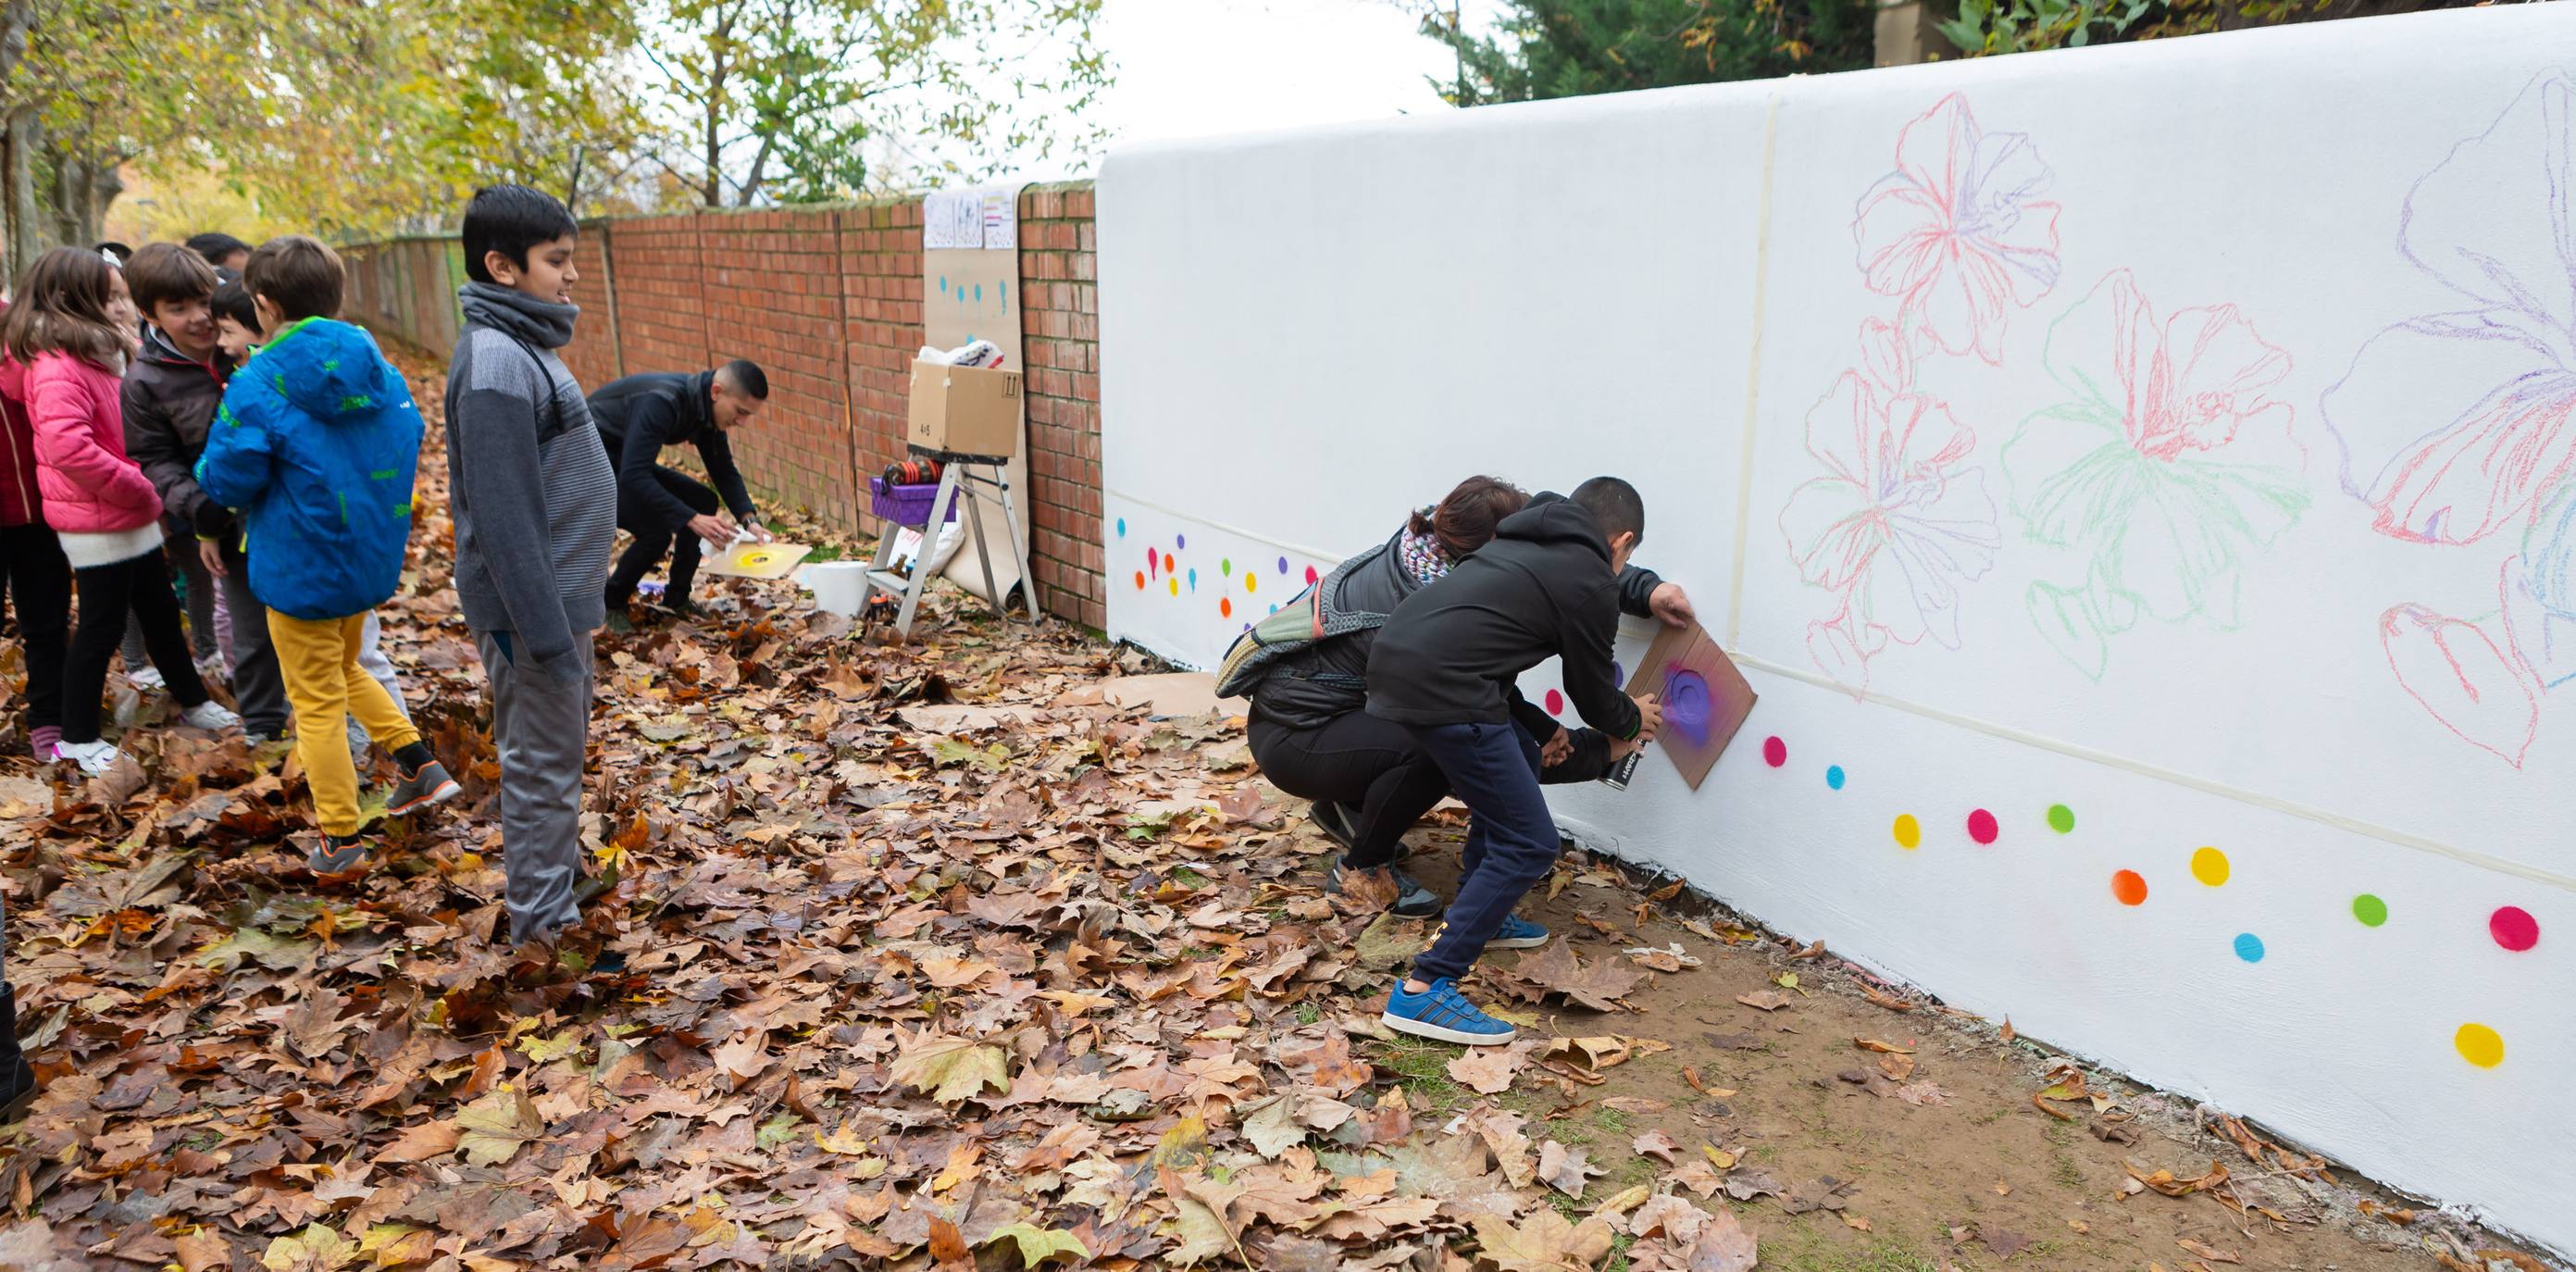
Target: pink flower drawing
<point>1958,232</point>
<point>1895,525</point>
<point>2458,425</point>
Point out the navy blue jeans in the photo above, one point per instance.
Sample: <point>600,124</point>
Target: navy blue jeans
<point>1511,839</point>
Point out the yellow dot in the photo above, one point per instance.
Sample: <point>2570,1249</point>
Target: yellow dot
<point>2209,865</point>
<point>2480,1046</point>
<point>1176,586</point>
<point>1909,832</point>
<point>1251,581</point>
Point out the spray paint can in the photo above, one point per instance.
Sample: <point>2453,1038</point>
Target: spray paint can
<point>1621,770</point>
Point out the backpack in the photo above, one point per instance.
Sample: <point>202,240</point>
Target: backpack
<point>1299,624</point>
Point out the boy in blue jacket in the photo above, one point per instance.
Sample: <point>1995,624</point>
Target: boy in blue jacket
<point>317,443</point>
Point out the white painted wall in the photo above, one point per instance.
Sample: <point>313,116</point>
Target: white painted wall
<point>2310,627</point>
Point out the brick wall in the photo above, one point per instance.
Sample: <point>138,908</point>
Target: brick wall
<point>827,299</point>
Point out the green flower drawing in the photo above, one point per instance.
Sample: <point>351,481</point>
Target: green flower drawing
<point>2169,464</point>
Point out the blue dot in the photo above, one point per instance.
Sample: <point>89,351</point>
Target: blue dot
<point>1122,527</point>
<point>943,284</point>
<point>1194,578</point>
<point>1274,609</point>
<point>979,291</point>
<point>2249,947</point>
<point>1834,776</point>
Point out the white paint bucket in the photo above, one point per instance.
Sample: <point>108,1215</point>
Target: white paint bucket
<point>839,586</point>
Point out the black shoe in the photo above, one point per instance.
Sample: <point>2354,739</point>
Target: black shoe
<point>1412,900</point>
<point>1336,821</point>
<point>684,608</point>
<point>18,1085</point>
<point>619,624</point>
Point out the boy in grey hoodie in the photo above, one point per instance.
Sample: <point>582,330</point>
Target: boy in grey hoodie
<point>535,508</point>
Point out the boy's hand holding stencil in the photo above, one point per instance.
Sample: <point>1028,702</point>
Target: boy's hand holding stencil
<point>1704,698</point>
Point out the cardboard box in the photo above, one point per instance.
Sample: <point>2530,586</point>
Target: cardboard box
<point>965,410</point>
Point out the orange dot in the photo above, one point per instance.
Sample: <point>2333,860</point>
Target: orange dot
<point>2129,888</point>
<point>1140,580</point>
<point>1225,606</point>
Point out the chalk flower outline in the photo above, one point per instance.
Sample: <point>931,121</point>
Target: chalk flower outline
<point>1958,231</point>
<point>1894,527</point>
<point>2169,463</point>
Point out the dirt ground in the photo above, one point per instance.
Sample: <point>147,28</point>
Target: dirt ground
<point>1971,1175</point>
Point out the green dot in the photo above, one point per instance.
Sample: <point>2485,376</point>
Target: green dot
<point>2061,818</point>
<point>1225,566</point>
<point>2370,910</point>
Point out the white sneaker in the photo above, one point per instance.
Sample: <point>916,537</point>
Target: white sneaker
<point>147,679</point>
<point>212,716</point>
<point>211,668</point>
<point>94,758</point>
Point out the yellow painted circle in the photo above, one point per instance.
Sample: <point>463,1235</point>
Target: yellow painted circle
<point>1176,585</point>
<point>2480,1045</point>
<point>1909,832</point>
<point>2209,865</point>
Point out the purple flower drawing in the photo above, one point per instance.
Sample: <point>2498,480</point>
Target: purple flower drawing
<point>1958,232</point>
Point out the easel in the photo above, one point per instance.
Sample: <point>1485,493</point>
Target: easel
<point>973,475</point>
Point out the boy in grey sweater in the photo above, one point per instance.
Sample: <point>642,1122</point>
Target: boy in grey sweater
<point>535,508</point>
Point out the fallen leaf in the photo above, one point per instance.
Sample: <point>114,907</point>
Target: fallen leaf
<point>1826,1193</point>
<point>1922,1094</point>
<point>2210,1252</point>
<point>1597,985</point>
<point>1897,1067</point>
<point>1544,1242</point>
<point>1489,1070</point>
<point>2003,1241</point>
<point>493,1129</point>
<point>951,1070</point>
<point>1883,1048</point>
<point>2008,1034</point>
<point>1671,1216</point>
<point>1745,1185</point>
<point>1565,1169</point>
<point>2081,1228</point>
<point>1888,1001</point>
<point>315,1249</point>
<point>1855,1222</point>
<point>2164,1181</point>
<point>1037,1245</point>
<point>1655,1143</point>
<point>1763,1000</point>
<point>1723,1246</point>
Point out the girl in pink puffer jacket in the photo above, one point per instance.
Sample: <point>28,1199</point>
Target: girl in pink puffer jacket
<point>67,340</point>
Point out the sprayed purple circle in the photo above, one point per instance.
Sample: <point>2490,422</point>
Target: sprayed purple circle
<point>1687,707</point>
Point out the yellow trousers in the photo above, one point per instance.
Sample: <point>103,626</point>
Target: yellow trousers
<point>318,659</point>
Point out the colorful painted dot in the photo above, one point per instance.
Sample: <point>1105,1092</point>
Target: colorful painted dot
<point>1169,564</point>
<point>2209,865</point>
<point>2249,947</point>
<point>1122,527</point>
<point>2370,910</point>
<point>2479,1045</point>
<point>1225,606</point>
<point>1283,565</point>
<point>1181,541</point>
<point>1909,832</point>
<point>1153,563</point>
<point>1982,827</point>
<point>2514,928</point>
<point>1555,703</point>
<point>1834,776</point>
<point>1274,609</point>
<point>1775,752</point>
<point>1251,581</point>
<point>1311,576</point>
<point>1175,581</point>
<point>1140,580</point>
<point>2130,887</point>
<point>2061,818</point>
<point>1194,578</point>
<point>1225,566</point>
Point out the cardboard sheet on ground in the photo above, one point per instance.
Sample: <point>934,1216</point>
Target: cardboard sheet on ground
<point>1705,698</point>
<point>757,560</point>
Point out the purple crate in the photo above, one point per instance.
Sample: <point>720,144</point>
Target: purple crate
<point>907,505</point>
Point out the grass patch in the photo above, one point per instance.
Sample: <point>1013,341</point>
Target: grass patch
<point>1421,1067</point>
<point>2061,1151</point>
<point>1801,1248</point>
<point>1989,1119</point>
<point>1309,1013</point>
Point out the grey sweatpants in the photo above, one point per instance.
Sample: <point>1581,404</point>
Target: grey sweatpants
<point>541,727</point>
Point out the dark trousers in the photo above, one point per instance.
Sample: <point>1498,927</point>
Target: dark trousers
<point>141,587</point>
<point>1360,761</point>
<point>1511,838</point>
<point>38,584</point>
<point>259,688</point>
<point>654,535</point>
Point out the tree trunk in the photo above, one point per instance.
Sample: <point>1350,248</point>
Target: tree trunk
<point>27,239</point>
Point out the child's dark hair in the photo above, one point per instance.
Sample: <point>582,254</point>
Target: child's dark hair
<point>216,246</point>
<point>298,274</point>
<point>510,219</point>
<point>1614,506</point>
<point>62,305</point>
<point>746,375</point>
<point>166,273</point>
<point>1465,521</point>
<point>232,300</point>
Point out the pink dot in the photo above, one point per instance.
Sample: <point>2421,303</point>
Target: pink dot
<point>1775,752</point>
<point>1311,576</point>
<point>1153,563</point>
<point>1981,826</point>
<point>1555,703</point>
<point>2514,928</point>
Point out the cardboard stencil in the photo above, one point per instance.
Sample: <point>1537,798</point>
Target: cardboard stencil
<point>1705,698</point>
<point>757,560</point>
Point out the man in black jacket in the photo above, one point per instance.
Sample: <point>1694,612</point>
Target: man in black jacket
<point>169,400</point>
<point>1444,666</point>
<point>669,511</point>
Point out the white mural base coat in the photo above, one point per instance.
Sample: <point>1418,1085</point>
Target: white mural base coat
<point>2161,433</point>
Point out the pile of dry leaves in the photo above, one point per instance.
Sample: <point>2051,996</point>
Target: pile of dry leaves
<point>912,956</point>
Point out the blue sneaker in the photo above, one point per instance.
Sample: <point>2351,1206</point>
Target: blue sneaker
<point>1443,1014</point>
<point>1518,933</point>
